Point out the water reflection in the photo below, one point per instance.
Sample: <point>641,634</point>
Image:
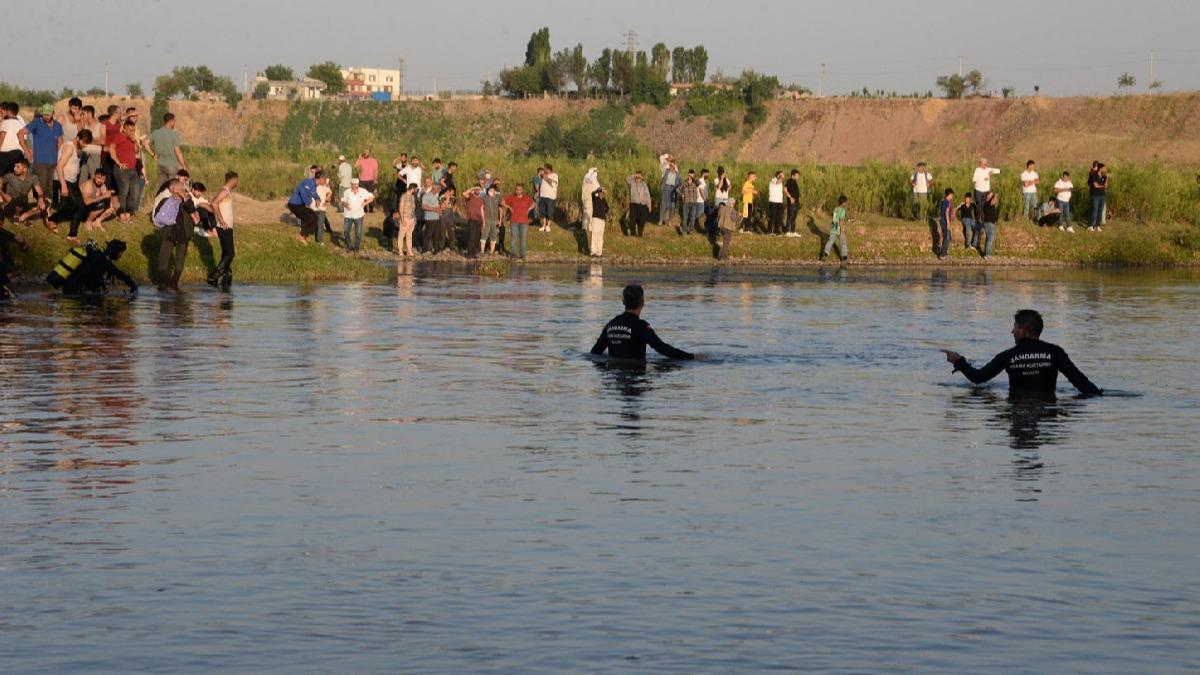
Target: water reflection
<point>629,382</point>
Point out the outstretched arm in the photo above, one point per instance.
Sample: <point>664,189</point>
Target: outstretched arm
<point>1074,375</point>
<point>601,342</point>
<point>977,375</point>
<point>665,349</point>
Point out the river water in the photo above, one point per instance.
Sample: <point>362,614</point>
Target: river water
<point>433,477</point>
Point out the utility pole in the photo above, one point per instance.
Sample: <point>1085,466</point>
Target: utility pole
<point>106,80</point>
<point>245,80</point>
<point>435,86</point>
<point>400,79</point>
<point>960,66</point>
<point>631,41</point>
<point>1150,82</point>
<point>821,83</point>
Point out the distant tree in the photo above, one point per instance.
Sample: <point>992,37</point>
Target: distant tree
<point>558,71</point>
<point>523,81</point>
<point>95,91</point>
<point>600,72</point>
<point>261,90</point>
<point>134,90</point>
<point>648,86</point>
<point>697,64</point>
<point>1126,81</point>
<point>578,69</point>
<point>660,61</point>
<point>1155,86</point>
<point>755,90</point>
<point>622,71</point>
<point>1008,92</point>
<point>954,86</point>
<point>679,65</point>
<point>279,72</point>
<point>189,81</point>
<point>330,73</point>
<point>537,50</point>
<point>974,81</point>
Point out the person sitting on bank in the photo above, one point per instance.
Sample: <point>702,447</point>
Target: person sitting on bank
<point>88,269</point>
<point>626,336</point>
<point>1032,365</point>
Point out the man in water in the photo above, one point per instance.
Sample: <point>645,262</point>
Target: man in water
<point>1033,366</point>
<point>626,336</point>
<point>88,269</point>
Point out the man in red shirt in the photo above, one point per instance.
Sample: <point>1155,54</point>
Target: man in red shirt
<point>518,206</point>
<point>111,121</point>
<point>123,148</point>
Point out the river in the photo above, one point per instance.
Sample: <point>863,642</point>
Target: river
<point>432,476</point>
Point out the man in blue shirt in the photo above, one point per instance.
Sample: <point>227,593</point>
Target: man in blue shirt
<point>46,134</point>
<point>945,219</point>
<point>304,202</point>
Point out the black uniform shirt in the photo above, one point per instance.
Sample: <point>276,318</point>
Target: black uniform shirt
<point>626,337</point>
<point>1032,365</point>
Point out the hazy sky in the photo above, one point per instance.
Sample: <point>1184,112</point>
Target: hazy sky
<point>1067,46</point>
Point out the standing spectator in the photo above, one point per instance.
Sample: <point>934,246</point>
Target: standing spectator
<point>1029,190</point>
<point>1099,194</point>
<point>174,218</point>
<point>142,141</point>
<point>437,173</point>
<point>921,182</point>
<point>14,138</point>
<point>991,216</point>
<point>70,204</point>
<point>547,198</point>
<point>591,181</point>
<point>639,203</point>
<point>91,158</point>
<point>983,180</point>
<point>167,149</point>
<point>491,217</point>
<point>1062,194</point>
<point>727,224</point>
<point>416,172</point>
<point>721,187</point>
<point>368,172</point>
<point>775,203</point>
<point>304,198</point>
<point>668,189</point>
<point>596,230</point>
<point>945,220</point>
<point>111,121</point>
<point>345,174</point>
<point>691,203</point>
<point>400,164</point>
<point>354,204</point>
<point>475,241</point>
<point>968,215</point>
<point>407,220</point>
<point>792,190</point>
<point>123,150</point>
<point>518,206</point>
<point>222,205</point>
<point>749,193</point>
<point>837,231</point>
<point>433,237</point>
<point>448,179</point>
<point>71,121</point>
<point>47,137</point>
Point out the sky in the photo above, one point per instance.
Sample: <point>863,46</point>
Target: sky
<point>1066,47</point>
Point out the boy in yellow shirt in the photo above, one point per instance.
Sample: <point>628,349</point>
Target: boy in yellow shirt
<point>749,192</point>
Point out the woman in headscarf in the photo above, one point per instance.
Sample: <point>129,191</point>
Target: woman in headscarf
<point>591,183</point>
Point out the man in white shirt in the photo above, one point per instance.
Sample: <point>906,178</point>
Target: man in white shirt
<point>345,173</point>
<point>1029,189</point>
<point>1062,195</point>
<point>547,198</point>
<point>983,180</point>
<point>354,208</point>
<point>775,205</point>
<point>921,182</point>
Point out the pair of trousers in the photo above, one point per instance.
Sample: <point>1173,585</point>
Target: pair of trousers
<point>666,209</point>
<point>165,173</point>
<point>943,247</point>
<point>474,234</point>
<point>726,242</point>
<point>520,236</point>
<point>839,238</point>
<point>350,226</point>
<point>692,212</point>
<point>793,209</point>
<point>596,236</point>
<point>404,236</point>
<point>307,218</point>
<point>165,248</point>
<point>224,270</point>
<point>1098,204</point>
<point>638,215</point>
<point>969,232</point>
<point>125,187</point>
<point>981,197</point>
<point>1065,207</point>
<point>45,176</point>
<point>989,230</point>
<point>775,216</point>
<point>545,210</point>
<point>1028,204</point>
<point>920,201</point>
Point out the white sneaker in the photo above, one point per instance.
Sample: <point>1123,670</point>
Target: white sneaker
<point>1071,229</point>
<point>1099,229</point>
<point>1061,228</point>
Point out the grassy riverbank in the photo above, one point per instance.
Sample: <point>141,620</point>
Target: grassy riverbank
<point>270,253</point>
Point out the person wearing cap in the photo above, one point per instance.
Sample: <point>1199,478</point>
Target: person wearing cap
<point>46,135</point>
<point>345,173</point>
<point>354,204</point>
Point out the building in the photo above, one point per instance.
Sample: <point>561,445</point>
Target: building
<point>383,84</point>
<point>684,88</point>
<point>306,89</point>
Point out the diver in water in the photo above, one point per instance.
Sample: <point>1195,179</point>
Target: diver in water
<point>626,336</point>
<point>1033,366</point>
<point>88,269</point>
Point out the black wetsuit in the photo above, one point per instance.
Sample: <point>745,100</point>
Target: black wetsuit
<point>93,274</point>
<point>626,337</point>
<point>1032,366</point>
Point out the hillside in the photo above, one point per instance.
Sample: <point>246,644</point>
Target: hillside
<point>846,131</point>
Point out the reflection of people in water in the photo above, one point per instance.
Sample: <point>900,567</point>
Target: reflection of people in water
<point>1032,365</point>
<point>626,336</point>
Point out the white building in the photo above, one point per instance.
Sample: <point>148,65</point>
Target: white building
<point>306,89</point>
<point>373,82</point>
